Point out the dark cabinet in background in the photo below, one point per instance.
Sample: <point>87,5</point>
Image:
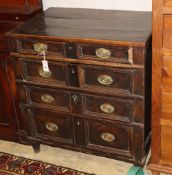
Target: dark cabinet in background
<point>12,14</point>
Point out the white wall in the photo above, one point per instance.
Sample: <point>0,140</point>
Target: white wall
<point>138,5</point>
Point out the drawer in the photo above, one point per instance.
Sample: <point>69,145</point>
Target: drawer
<point>106,53</point>
<point>28,46</point>
<point>111,80</point>
<point>32,71</point>
<point>109,138</point>
<point>108,108</point>
<point>46,98</point>
<point>50,126</point>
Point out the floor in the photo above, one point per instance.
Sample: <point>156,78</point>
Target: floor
<point>71,159</point>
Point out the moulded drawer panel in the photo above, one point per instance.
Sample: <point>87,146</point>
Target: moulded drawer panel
<point>48,98</point>
<point>33,71</point>
<point>110,108</point>
<point>111,80</point>
<point>106,53</point>
<point>109,138</point>
<point>52,126</point>
<point>27,46</point>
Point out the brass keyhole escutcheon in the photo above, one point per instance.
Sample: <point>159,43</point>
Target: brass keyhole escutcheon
<point>75,99</point>
<point>51,126</point>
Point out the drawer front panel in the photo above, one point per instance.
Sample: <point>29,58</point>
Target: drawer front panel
<point>105,78</point>
<point>109,137</point>
<point>108,108</point>
<point>48,98</point>
<point>106,53</point>
<point>53,126</point>
<point>33,71</point>
<point>28,46</point>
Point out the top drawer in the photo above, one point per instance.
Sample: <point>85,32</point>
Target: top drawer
<point>94,52</point>
<point>106,53</point>
<point>29,46</point>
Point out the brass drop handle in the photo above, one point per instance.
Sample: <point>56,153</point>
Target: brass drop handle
<point>107,108</point>
<point>75,99</point>
<point>103,53</point>
<point>51,126</point>
<point>105,80</point>
<point>40,47</point>
<point>44,74</point>
<point>47,98</point>
<point>108,137</point>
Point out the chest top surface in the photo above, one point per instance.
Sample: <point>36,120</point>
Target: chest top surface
<point>88,24</point>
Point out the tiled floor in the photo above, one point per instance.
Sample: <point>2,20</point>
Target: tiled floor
<point>71,159</point>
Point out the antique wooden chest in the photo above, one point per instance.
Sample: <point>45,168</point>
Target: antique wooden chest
<point>96,95</point>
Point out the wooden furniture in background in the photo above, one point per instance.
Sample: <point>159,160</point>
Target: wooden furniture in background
<point>96,96</point>
<point>12,13</point>
<point>161,159</point>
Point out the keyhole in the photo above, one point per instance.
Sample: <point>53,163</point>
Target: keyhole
<point>78,123</point>
<point>73,71</point>
<point>75,99</point>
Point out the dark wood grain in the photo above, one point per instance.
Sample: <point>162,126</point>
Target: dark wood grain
<point>92,25</point>
<point>19,10</point>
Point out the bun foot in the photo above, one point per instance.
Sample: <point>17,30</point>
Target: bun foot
<point>36,147</point>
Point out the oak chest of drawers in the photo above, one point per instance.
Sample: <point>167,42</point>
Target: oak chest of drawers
<point>96,96</point>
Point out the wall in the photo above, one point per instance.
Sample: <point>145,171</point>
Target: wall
<point>138,5</point>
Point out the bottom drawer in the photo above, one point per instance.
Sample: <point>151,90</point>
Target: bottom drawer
<point>109,138</point>
<point>49,126</point>
<point>105,138</point>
